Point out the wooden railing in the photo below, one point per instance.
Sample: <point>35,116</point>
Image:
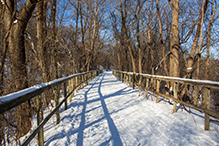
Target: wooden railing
<point>12,100</point>
<point>154,83</point>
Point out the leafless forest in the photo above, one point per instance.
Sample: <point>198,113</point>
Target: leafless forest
<point>42,40</point>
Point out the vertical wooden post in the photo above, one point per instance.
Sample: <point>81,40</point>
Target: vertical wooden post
<point>129,80</point>
<point>85,77</point>
<point>133,81</point>
<point>76,83</point>
<point>39,119</point>
<point>126,77</point>
<point>82,81</point>
<point>79,81</point>
<point>65,94</point>
<point>207,107</point>
<point>146,91</point>
<point>158,90</point>
<point>195,95</point>
<point>175,90</point>
<point>70,87</point>
<point>56,88</point>
<point>120,76</point>
<point>73,93</point>
<point>91,76</point>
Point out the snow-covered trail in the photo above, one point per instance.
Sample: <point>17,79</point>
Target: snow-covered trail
<point>107,112</point>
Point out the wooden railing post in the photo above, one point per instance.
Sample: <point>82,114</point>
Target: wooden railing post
<point>146,88</point>
<point>158,90</point>
<point>91,77</point>
<point>56,103</point>
<point>85,76</point>
<point>70,87</point>
<point>129,80</point>
<point>124,78</point>
<point>175,90</point>
<point>73,93</point>
<point>76,83</point>
<point>207,107</point>
<point>65,94</point>
<point>126,75</point>
<point>79,81</point>
<point>39,119</point>
<point>133,81</point>
<point>195,95</point>
<point>82,81</point>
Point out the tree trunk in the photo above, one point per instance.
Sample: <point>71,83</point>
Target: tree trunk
<point>210,25</point>
<point>200,41</point>
<point>18,59</point>
<point>126,34</point>
<point>40,40</point>
<point>54,58</point>
<point>161,40</point>
<point>195,43</point>
<point>139,45</point>
<point>174,43</point>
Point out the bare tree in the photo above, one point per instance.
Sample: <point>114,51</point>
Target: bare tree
<point>16,26</point>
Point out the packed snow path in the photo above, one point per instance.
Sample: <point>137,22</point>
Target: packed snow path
<point>107,112</point>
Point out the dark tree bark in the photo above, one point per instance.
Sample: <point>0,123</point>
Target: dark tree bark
<point>174,44</point>
<point>190,62</point>
<point>161,39</point>
<point>17,58</point>
<point>40,41</point>
<point>123,13</point>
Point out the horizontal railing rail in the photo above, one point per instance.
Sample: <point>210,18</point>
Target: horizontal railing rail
<point>207,83</point>
<point>9,101</point>
<point>12,100</point>
<point>130,78</point>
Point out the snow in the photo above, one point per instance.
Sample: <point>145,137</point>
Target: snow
<point>15,21</point>
<point>15,95</point>
<point>108,112</point>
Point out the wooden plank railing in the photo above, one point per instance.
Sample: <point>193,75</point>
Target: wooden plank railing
<point>14,99</point>
<point>130,78</point>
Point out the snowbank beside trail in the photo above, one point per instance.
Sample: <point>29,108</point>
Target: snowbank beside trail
<point>107,112</point>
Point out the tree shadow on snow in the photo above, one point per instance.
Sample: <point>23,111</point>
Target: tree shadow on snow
<point>112,127</point>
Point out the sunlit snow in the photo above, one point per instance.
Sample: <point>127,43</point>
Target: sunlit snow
<point>108,112</point>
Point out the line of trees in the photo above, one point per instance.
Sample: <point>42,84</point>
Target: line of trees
<point>42,40</point>
<point>171,38</point>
